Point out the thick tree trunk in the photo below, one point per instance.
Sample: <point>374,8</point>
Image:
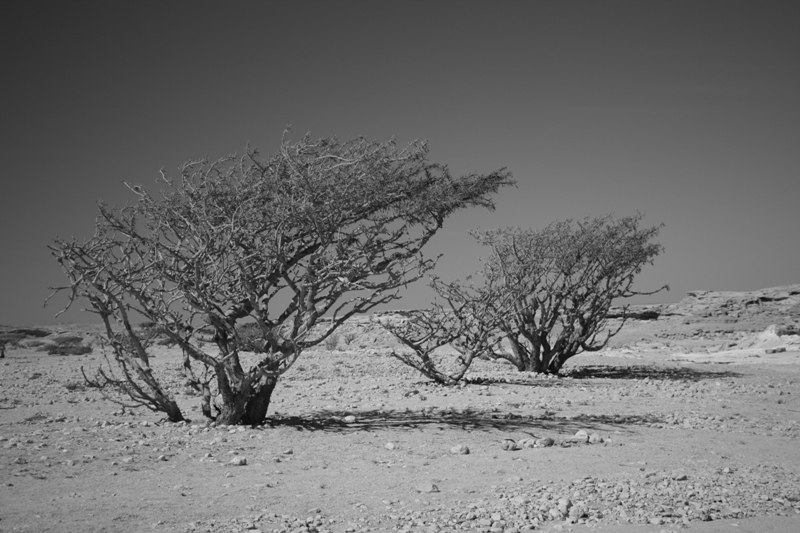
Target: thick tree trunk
<point>249,405</point>
<point>232,410</point>
<point>173,411</point>
<point>205,403</point>
<point>258,403</point>
<point>558,362</point>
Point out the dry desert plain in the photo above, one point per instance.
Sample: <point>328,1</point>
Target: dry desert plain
<point>688,421</point>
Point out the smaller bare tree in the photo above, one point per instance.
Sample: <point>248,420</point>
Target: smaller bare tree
<point>463,321</point>
<point>562,281</point>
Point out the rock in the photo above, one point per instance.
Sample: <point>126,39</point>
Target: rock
<point>460,449</point>
<point>509,445</point>
<point>349,419</point>
<point>577,511</point>
<point>390,446</point>
<point>238,461</point>
<point>427,488</point>
<point>775,350</point>
<point>564,505</point>
<point>545,442</point>
<point>594,438</point>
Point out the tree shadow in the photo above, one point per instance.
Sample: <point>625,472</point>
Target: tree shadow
<point>645,371</point>
<point>529,380</point>
<point>463,420</point>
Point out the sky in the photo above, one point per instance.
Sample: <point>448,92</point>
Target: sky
<point>688,112</point>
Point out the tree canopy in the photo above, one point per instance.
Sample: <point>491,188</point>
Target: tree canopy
<point>319,228</point>
<point>562,280</point>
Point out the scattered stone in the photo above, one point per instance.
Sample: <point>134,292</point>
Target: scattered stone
<point>460,449</point>
<point>580,437</point>
<point>427,488</point>
<point>238,461</point>
<point>509,445</point>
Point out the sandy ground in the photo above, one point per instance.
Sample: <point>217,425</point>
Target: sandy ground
<point>686,436</point>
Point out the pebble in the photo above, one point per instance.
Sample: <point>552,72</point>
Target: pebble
<point>509,445</point>
<point>427,488</point>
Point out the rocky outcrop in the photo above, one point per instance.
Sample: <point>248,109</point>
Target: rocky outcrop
<point>776,303</point>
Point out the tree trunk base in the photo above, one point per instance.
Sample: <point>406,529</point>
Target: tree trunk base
<point>250,410</point>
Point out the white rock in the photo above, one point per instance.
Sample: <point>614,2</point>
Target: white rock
<point>509,445</point>
<point>238,461</point>
<point>460,449</point>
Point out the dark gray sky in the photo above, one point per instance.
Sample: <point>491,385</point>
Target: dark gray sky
<point>686,111</point>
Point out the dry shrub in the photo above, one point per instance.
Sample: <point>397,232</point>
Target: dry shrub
<point>66,339</point>
<point>332,342</point>
<point>11,338</point>
<point>69,348</point>
<point>32,332</point>
<point>75,386</point>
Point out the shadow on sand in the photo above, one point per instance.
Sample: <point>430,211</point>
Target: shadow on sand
<point>647,371</point>
<point>467,419</point>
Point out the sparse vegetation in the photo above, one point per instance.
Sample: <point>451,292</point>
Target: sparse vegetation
<point>75,386</point>
<point>11,338</point>
<point>69,348</point>
<point>332,342</point>
<point>31,332</point>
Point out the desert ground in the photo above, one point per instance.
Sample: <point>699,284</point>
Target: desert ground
<point>689,420</point>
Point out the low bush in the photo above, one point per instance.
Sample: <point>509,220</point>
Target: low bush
<point>349,337</point>
<point>75,386</point>
<point>74,348</point>
<point>33,343</point>
<point>332,342</point>
<point>11,338</point>
<point>66,339</point>
<point>31,332</point>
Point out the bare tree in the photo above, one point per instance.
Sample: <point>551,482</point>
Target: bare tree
<point>464,320</point>
<point>562,281</point>
<point>320,228</point>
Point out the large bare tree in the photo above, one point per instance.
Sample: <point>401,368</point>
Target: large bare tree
<point>320,228</point>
